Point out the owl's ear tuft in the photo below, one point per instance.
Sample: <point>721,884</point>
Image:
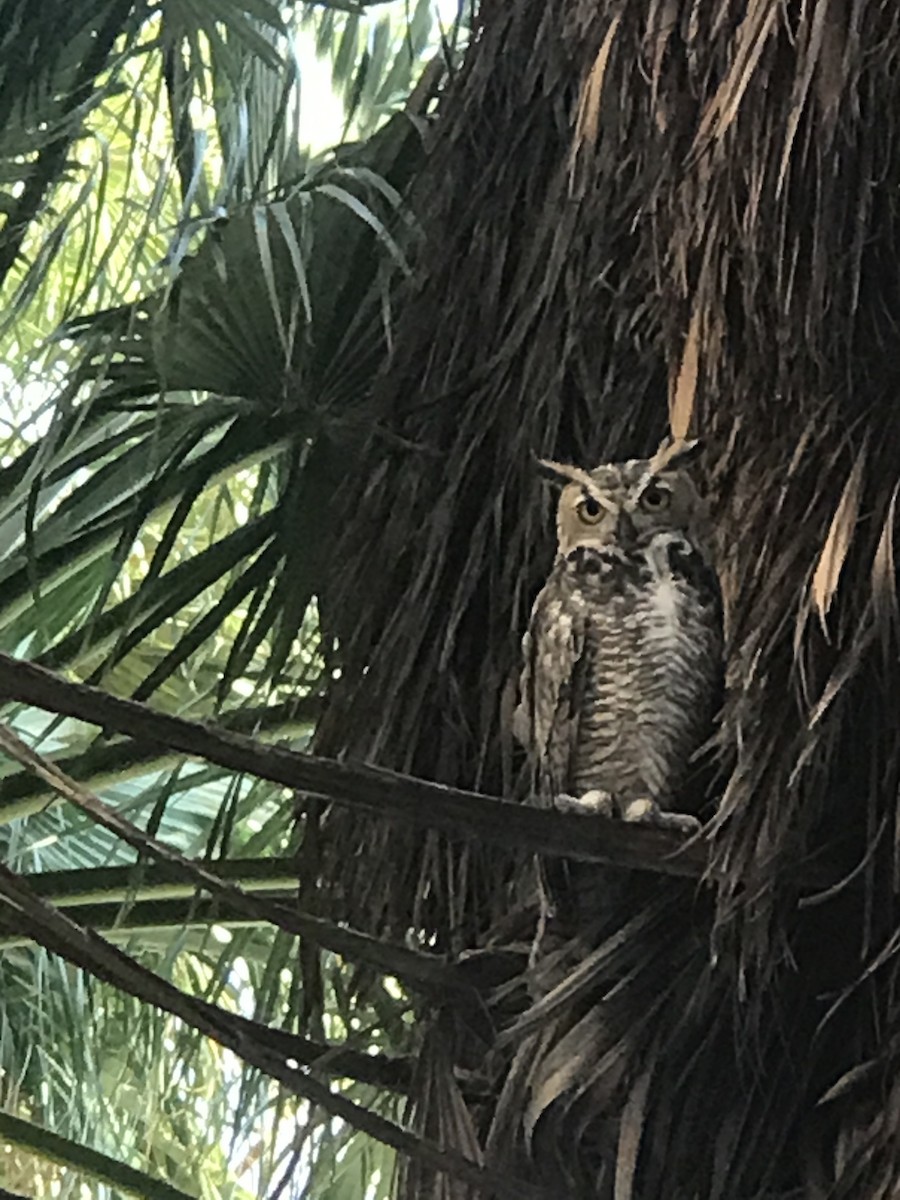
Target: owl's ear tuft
<point>558,472</point>
<point>674,453</point>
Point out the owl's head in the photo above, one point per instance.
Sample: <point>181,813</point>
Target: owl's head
<point>624,504</point>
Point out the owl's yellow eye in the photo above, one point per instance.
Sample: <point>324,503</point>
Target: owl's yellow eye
<point>655,498</point>
<point>589,510</point>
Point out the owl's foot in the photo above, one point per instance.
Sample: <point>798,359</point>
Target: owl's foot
<point>594,803</point>
<point>648,812</point>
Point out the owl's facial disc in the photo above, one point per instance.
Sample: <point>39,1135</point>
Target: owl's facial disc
<point>585,517</point>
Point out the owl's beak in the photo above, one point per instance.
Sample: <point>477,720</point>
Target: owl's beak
<point>626,533</point>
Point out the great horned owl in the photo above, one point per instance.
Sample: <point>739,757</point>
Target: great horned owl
<point>623,653</point>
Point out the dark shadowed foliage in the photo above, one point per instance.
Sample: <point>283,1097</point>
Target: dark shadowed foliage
<point>617,196</point>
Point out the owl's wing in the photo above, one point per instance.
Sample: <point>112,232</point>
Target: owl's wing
<point>551,688</point>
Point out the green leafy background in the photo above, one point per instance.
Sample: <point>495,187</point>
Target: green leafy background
<point>204,228</point>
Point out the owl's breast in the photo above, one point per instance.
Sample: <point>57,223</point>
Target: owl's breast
<point>653,659</point>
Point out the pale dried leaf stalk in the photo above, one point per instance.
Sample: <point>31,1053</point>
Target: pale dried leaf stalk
<point>630,1131</point>
<point>683,393</point>
<point>750,40</point>
<point>837,543</point>
<point>587,121</point>
<point>884,577</point>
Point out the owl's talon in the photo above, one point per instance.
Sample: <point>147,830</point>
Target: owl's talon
<point>648,812</point>
<point>594,803</point>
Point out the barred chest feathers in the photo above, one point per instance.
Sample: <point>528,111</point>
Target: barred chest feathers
<point>651,661</point>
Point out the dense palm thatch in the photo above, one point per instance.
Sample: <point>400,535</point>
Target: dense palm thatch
<point>619,197</point>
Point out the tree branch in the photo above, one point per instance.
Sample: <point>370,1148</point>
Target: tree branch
<point>417,967</point>
<point>159,881</point>
<point>457,813</point>
<point>22,794</point>
<point>99,1167</point>
<point>381,1070</point>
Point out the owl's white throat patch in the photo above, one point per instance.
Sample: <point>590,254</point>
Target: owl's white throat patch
<point>664,596</point>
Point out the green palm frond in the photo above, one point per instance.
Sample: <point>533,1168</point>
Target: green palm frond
<point>252,316</point>
<point>195,306</point>
<point>375,57</point>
